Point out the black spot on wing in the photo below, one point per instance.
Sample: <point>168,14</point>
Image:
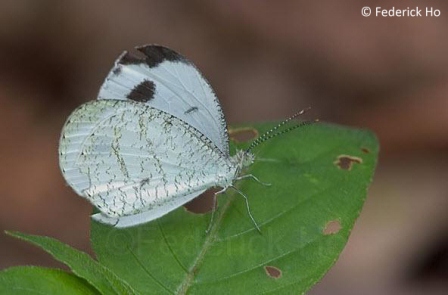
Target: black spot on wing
<point>116,71</point>
<point>143,92</point>
<point>190,110</point>
<point>156,54</point>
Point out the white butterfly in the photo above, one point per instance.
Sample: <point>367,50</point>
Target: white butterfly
<point>155,139</point>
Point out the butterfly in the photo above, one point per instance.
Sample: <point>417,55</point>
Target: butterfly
<point>155,139</point>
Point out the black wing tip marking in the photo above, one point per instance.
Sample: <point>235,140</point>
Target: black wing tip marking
<point>127,58</point>
<point>153,56</point>
<point>143,92</point>
<point>156,54</point>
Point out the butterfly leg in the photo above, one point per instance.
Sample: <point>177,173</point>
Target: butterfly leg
<point>248,208</point>
<point>254,178</point>
<point>214,209</point>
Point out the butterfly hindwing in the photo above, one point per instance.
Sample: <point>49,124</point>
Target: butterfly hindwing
<point>134,162</point>
<point>145,216</point>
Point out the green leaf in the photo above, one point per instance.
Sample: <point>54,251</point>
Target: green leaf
<point>38,280</point>
<point>81,264</point>
<point>319,176</point>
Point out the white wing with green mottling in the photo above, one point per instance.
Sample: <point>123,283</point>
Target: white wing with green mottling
<point>136,163</point>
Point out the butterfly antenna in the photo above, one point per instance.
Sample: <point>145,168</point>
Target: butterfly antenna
<point>272,133</point>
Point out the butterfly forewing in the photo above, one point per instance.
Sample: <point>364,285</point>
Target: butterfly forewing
<point>165,80</point>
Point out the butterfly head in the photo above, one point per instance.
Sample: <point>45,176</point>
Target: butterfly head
<point>243,159</point>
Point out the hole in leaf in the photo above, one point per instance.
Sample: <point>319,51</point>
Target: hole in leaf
<point>345,162</point>
<point>365,150</point>
<point>273,271</point>
<point>243,134</point>
<point>202,203</point>
<point>332,227</point>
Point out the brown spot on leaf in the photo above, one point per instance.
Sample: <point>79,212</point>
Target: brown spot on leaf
<point>273,271</point>
<point>202,203</point>
<point>345,162</point>
<point>243,134</point>
<point>365,150</point>
<point>332,227</point>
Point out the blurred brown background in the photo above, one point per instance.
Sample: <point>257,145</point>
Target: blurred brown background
<point>264,59</point>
